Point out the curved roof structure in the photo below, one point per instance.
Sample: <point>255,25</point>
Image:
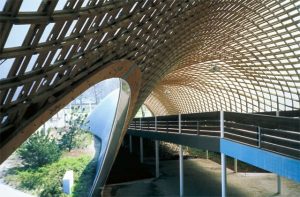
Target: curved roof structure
<point>194,55</point>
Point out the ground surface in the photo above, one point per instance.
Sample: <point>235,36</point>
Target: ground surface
<point>127,167</point>
<point>202,178</point>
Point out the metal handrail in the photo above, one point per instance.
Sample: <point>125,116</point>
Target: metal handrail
<point>276,134</point>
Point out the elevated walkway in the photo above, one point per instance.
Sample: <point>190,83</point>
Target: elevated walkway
<point>265,141</point>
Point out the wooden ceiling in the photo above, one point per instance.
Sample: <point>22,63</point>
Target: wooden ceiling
<point>194,55</point>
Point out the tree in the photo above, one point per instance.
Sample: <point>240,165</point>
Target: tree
<point>73,135</point>
<point>40,149</point>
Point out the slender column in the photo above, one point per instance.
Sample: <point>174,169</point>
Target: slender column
<point>278,184</point>
<point>223,158</point>
<point>156,152</point>
<point>278,177</point>
<point>141,145</point>
<point>223,177</point>
<point>207,156</point>
<point>157,158</point>
<point>141,150</point>
<point>235,165</point>
<point>130,144</point>
<point>181,181</point>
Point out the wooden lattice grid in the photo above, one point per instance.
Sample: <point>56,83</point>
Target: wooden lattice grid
<point>195,55</point>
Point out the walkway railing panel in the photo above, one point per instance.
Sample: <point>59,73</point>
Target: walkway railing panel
<point>276,134</point>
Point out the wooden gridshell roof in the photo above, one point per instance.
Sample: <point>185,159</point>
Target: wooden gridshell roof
<point>194,55</point>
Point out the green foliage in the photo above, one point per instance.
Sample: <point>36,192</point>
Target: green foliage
<point>73,135</point>
<point>47,180</point>
<point>85,181</point>
<point>40,149</point>
<point>53,191</point>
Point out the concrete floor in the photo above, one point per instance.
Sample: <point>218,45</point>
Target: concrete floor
<point>202,178</point>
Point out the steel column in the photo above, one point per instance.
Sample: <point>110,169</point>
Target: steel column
<point>223,158</point>
<point>156,158</point>
<point>278,184</point>
<point>235,165</point>
<point>130,144</point>
<point>223,176</point>
<point>156,152</point>
<point>278,177</point>
<point>141,150</point>
<point>181,181</point>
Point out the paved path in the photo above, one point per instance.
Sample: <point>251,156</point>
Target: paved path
<point>202,178</point>
<point>7,191</point>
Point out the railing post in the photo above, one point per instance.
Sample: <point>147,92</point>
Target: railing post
<point>222,123</point>
<point>181,190</point>
<point>223,158</point>
<point>259,136</point>
<point>167,126</point>
<point>140,123</point>
<point>156,152</point>
<point>179,123</point>
<point>156,123</point>
<point>197,127</point>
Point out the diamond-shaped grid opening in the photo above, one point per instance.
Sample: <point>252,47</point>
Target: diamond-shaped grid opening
<point>46,32</point>
<point>60,4</point>
<point>16,36</point>
<point>30,5</point>
<point>2,4</point>
<point>5,66</point>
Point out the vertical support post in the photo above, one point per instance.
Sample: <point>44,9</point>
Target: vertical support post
<point>141,145</point>
<point>197,127</point>
<point>130,144</point>
<point>156,158</point>
<point>181,190</point>
<point>223,177</point>
<point>235,165</point>
<point>141,150</point>
<point>223,159</point>
<point>278,177</point>
<point>156,152</point>
<point>278,184</point>
<point>259,136</point>
<point>207,156</point>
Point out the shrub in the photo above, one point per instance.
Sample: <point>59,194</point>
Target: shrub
<point>54,190</point>
<point>40,149</point>
<point>47,180</point>
<point>73,135</point>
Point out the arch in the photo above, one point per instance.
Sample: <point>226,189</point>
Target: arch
<point>123,69</point>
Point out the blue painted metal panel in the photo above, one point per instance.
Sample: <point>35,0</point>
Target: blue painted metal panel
<point>279,164</point>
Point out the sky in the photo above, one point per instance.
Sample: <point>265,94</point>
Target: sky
<point>18,33</point>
